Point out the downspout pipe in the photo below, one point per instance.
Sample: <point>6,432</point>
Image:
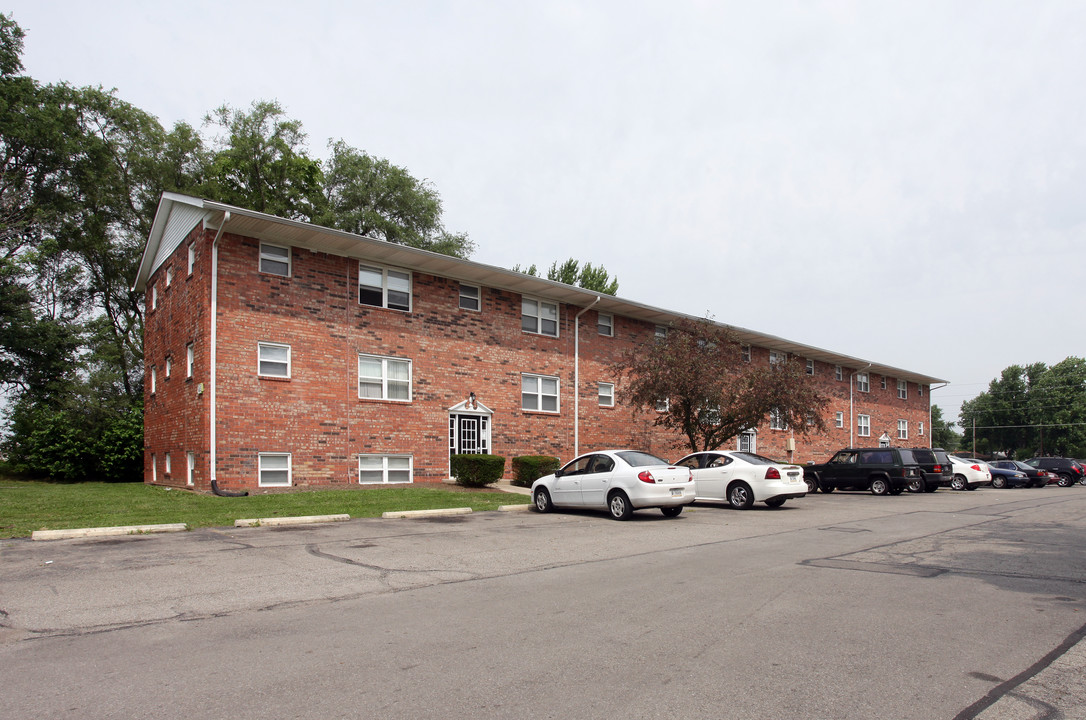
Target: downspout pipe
<point>851,411</point>
<point>577,377</point>
<point>212,379</point>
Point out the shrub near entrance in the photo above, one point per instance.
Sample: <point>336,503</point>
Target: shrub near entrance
<point>529,468</point>
<point>477,470</point>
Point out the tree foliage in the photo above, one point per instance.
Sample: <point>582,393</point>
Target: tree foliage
<point>943,434</point>
<point>571,272</point>
<point>711,393</point>
<point>1030,409</point>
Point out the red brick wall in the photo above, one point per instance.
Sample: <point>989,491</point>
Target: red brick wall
<point>317,415</point>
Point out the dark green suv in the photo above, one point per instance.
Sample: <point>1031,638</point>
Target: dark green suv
<point>883,471</point>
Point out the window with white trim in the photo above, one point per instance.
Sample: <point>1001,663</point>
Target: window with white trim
<point>538,392</point>
<point>384,287</point>
<point>839,419</point>
<point>169,276</point>
<point>605,324</point>
<point>919,390</point>
<point>154,379</point>
<point>882,382</point>
<point>776,420</point>
<point>154,297</point>
<point>384,378</point>
<point>776,358</point>
<point>607,394</point>
<point>660,332</point>
<point>744,352</point>
<point>747,442</point>
<point>273,360</point>
<point>902,389</point>
<point>274,259</point>
<point>192,257</point>
<point>190,359</point>
<point>274,469</point>
<point>920,429</point>
<point>154,469</point>
<point>863,383</point>
<point>169,366</point>
<point>838,372</point>
<point>190,468</point>
<point>863,425</point>
<point>469,297</point>
<point>385,469</point>
<point>902,429</point>
<point>166,464</point>
<point>810,367</point>
<point>663,405</point>
<point>538,316</point>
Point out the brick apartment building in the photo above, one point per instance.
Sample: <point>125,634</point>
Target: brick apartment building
<point>280,354</point>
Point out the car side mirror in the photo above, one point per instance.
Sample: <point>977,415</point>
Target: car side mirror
<point>558,473</point>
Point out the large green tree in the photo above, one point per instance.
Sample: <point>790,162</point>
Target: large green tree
<point>708,394</point>
<point>943,434</point>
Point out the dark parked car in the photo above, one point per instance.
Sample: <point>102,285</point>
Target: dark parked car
<point>883,471</point>
<point>936,468</point>
<point>1006,478</point>
<point>1037,478</point>
<point>1069,471</point>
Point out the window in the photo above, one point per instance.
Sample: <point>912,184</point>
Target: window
<point>273,360</point>
<point>374,469</point>
<point>169,276</point>
<point>384,378</point>
<point>776,358</point>
<point>383,287</point>
<point>168,367</point>
<point>274,470</point>
<point>539,392</point>
<point>810,367</point>
<point>539,317</point>
<point>902,389</point>
<point>190,360</point>
<point>166,463</point>
<point>920,429</point>
<point>776,420</point>
<point>863,425</point>
<point>838,372</point>
<point>863,383</point>
<point>154,469</point>
<point>154,379</point>
<point>839,419</point>
<point>663,405</point>
<point>605,324</point>
<point>192,258</point>
<point>746,442</point>
<point>744,352</point>
<point>660,332</point>
<point>154,297</point>
<point>902,429</point>
<point>607,394</point>
<point>274,259</point>
<point>919,390</point>
<point>190,468</point>
<point>882,383</point>
<point>469,297</point>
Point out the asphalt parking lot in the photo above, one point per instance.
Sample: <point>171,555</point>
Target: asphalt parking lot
<point>950,605</point>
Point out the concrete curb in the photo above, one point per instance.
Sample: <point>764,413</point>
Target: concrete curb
<point>300,520</point>
<point>426,513</point>
<point>525,507</point>
<point>104,531</point>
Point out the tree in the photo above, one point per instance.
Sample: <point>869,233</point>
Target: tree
<point>711,394</point>
<point>942,431</point>
<point>571,272</point>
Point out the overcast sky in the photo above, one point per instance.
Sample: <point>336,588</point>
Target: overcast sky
<point>899,181</point>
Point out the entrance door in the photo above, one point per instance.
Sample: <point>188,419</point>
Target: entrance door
<point>469,434</point>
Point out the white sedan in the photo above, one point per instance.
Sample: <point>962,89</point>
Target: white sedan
<point>618,481</point>
<point>969,474</point>
<point>742,479</point>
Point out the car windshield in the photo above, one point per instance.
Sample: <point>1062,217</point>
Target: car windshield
<point>1022,466</point>
<point>635,458</point>
<point>754,459</point>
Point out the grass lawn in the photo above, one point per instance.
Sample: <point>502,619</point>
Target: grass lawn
<point>26,505</point>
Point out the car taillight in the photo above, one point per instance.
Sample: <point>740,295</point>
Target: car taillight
<point>772,474</point>
<point>646,477</point>
<point>689,475</point>
<point>975,467</point>
<point>937,468</point>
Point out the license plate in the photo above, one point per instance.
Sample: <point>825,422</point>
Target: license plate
<point>676,492</point>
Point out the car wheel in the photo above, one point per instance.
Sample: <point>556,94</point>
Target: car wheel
<point>959,483</point>
<point>775,502</point>
<point>542,500</point>
<point>999,482</point>
<point>672,511</point>
<point>619,505</point>
<point>741,496</point>
<point>812,483</point>
<point>917,485</point>
<point>1082,481</point>
<point>880,486</point>
<point>1065,481</point>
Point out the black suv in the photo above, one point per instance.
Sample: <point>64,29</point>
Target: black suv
<point>1069,471</point>
<point>935,467</point>
<point>883,471</point>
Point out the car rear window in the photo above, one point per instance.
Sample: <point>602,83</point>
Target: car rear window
<point>635,458</point>
<point>942,457</point>
<point>877,457</point>
<point>755,459</point>
<point>907,457</point>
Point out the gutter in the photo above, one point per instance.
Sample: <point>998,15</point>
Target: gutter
<point>577,377</point>
<point>212,382</point>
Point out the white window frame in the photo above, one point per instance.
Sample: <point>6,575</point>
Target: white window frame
<point>744,353</point>
<point>776,422</point>
<point>839,419</point>
<point>477,298</point>
<point>863,382</point>
<point>277,259</point>
<point>190,359</point>
<point>190,468</point>
<point>752,441</point>
<point>168,367</point>
<point>192,257</point>
<point>154,469</point>
<point>385,470</point>
<point>261,361</point>
<point>810,367</point>
<point>882,382</point>
<point>606,394</point>
<point>777,358</point>
<point>838,373</point>
<point>154,297</point>
<point>385,288</point>
<point>902,429</point>
<point>262,457</point>
<point>384,379</point>
<point>539,394</point>
<point>919,390</point>
<point>166,468</point>
<point>903,389</point>
<point>660,332</point>
<point>537,318</point>
<point>863,425</point>
<point>154,379</point>
<point>662,406</point>
<point>920,429</point>
<point>605,324</point>
<point>169,276</point>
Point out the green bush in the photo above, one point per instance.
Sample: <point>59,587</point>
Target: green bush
<point>529,468</point>
<point>476,470</point>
